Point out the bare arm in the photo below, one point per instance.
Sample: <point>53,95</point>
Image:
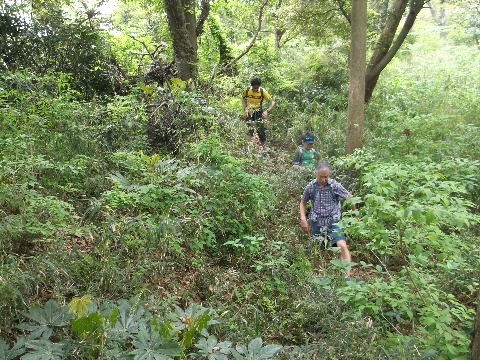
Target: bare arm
<point>303,217</point>
<point>245,107</point>
<point>265,112</point>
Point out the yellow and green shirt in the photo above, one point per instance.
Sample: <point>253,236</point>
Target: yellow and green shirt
<point>255,98</point>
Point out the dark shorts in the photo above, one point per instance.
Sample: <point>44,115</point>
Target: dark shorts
<point>255,124</point>
<point>334,232</point>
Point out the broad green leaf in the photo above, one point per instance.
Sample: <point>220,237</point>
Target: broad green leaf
<point>45,320</point>
<point>255,345</point>
<point>79,305</point>
<point>113,316</point>
<point>417,214</point>
<point>268,352</point>
<point>10,354</point>
<point>85,326</point>
<point>44,349</point>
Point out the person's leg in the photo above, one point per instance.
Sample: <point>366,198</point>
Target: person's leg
<point>259,127</point>
<point>250,127</point>
<point>344,253</point>
<point>319,234</point>
<point>250,132</point>
<point>262,134</point>
<point>338,239</point>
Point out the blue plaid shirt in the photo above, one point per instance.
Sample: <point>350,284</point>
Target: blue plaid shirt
<point>325,208</point>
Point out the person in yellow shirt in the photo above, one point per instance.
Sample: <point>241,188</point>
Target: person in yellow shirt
<point>254,112</point>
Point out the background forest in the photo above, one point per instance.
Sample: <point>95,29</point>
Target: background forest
<point>134,226</point>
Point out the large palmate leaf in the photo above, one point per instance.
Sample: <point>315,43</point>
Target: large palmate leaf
<point>43,321</point>
<point>150,345</point>
<point>210,348</point>
<point>79,305</point>
<point>44,349</point>
<point>88,325</point>
<point>7,353</point>
<point>255,351</point>
<point>125,320</point>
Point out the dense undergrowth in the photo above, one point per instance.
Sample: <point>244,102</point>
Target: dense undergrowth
<point>112,250</point>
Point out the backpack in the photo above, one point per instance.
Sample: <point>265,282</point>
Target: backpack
<point>261,93</point>
<point>302,150</point>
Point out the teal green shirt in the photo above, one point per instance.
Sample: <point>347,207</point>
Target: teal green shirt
<point>305,157</point>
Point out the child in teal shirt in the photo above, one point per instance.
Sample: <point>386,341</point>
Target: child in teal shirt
<point>306,155</point>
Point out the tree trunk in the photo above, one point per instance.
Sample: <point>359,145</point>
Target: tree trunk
<point>279,30</point>
<point>182,27</point>
<point>386,48</point>
<point>358,50</point>
<point>442,20</point>
<point>278,38</point>
<point>476,333</point>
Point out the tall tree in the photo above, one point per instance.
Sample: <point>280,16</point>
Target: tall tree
<point>358,52</point>
<point>182,26</point>
<point>313,19</point>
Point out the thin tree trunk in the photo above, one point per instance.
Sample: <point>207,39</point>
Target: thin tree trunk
<point>358,50</point>
<point>476,333</point>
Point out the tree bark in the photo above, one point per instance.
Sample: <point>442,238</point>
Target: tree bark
<point>476,333</point>
<point>279,31</point>
<point>182,27</point>
<point>358,51</point>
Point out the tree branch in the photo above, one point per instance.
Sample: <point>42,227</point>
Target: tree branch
<point>344,12</point>
<point>259,26</point>
<point>151,55</point>
<point>203,16</point>
<point>415,7</point>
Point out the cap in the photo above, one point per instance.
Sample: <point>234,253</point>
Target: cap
<point>309,139</point>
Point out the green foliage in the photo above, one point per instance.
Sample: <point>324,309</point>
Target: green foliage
<point>87,206</point>
<point>255,350</point>
<point>150,345</point>
<point>211,348</point>
<point>413,218</point>
<point>44,40</point>
<point>44,321</point>
<point>139,28</point>
<point>44,349</point>
<point>127,329</point>
<point>176,114</point>
<point>79,306</point>
<point>404,201</point>
<point>191,322</point>
<point>440,108</point>
<point>7,353</point>
<point>214,203</point>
